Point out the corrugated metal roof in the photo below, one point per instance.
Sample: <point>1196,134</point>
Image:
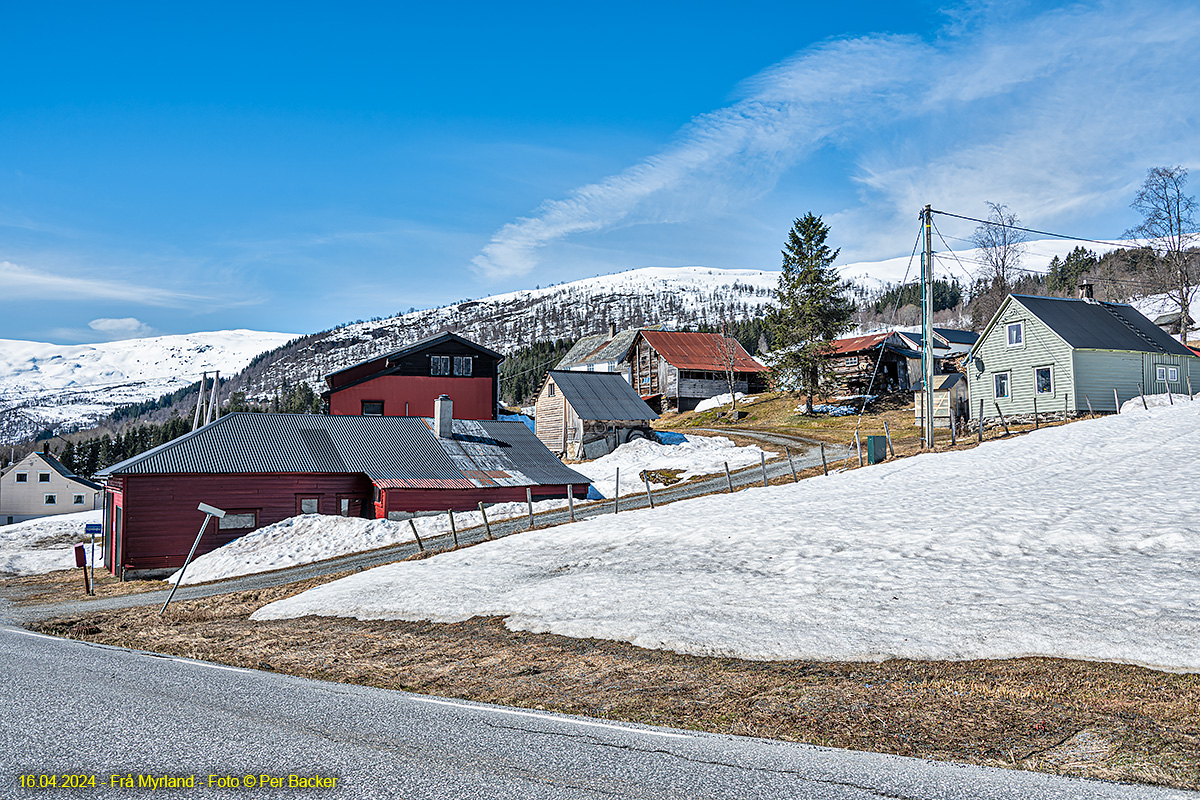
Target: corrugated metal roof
<point>380,447</point>
<point>856,344</point>
<point>599,348</point>
<point>394,452</point>
<point>1095,325</point>
<point>957,336</point>
<point>601,395</point>
<point>701,351</point>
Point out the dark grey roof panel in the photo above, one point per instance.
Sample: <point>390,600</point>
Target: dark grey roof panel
<point>956,336</point>
<point>601,395</point>
<point>379,447</point>
<point>526,452</point>
<point>1094,325</point>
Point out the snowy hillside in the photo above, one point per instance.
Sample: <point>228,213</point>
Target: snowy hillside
<point>1073,541</point>
<point>49,385</point>
<point>668,296</point>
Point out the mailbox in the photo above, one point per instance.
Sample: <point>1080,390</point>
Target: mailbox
<point>80,556</point>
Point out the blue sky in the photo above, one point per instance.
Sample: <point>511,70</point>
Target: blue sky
<point>167,168</point>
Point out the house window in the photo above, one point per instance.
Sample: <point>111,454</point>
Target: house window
<point>1165,373</point>
<point>22,477</point>
<point>238,520</point>
<point>76,499</point>
<point>309,505</point>
<point>1160,373</point>
<point>550,390</point>
<point>1172,373</point>
<point>372,408</point>
<point>51,500</point>
<point>43,477</point>
<point>852,361</point>
<point>1043,380</point>
<point>1016,334</point>
<point>463,366</point>
<point>439,365</point>
<point>591,367</point>
<point>1000,385</point>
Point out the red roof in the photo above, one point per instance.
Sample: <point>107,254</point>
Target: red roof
<point>700,351</point>
<point>856,344</point>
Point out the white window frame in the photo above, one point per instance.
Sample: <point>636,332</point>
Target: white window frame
<point>76,499</point>
<point>1007,385</point>
<point>237,520</point>
<point>43,477</point>
<point>1008,330</point>
<point>440,365</point>
<point>1173,374</point>
<point>50,500</point>
<point>463,366</point>
<point>851,361</point>
<point>1160,372</point>
<point>22,477</point>
<point>1038,391</point>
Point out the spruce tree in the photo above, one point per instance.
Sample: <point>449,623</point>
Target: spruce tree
<point>811,308</point>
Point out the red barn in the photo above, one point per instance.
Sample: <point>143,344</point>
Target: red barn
<point>405,383</point>
<point>262,468</point>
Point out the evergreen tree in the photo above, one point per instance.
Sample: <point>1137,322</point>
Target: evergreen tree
<point>811,308</point>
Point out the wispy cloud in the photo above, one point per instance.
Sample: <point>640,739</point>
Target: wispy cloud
<point>1056,113</point>
<point>18,282</point>
<point>122,328</point>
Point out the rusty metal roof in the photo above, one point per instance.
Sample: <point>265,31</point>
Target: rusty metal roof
<point>856,344</point>
<point>701,351</point>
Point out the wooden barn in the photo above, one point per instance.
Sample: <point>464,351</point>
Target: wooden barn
<point>406,382</point>
<point>262,468</point>
<point>675,370</point>
<point>588,414</point>
<point>877,362</point>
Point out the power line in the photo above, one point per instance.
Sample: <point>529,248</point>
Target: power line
<point>1033,230</point>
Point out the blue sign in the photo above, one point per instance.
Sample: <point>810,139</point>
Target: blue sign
<point>91,529</point>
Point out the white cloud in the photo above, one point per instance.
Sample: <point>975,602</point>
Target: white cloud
<point>123,328</point>
<point>21,282</point>
<point>1057,114</point>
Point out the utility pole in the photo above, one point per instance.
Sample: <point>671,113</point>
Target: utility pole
<point>200,403</point>
<point>927,324</point>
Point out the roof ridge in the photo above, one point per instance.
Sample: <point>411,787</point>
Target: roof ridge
<point>1111,309</point>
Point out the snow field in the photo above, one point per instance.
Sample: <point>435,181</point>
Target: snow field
<point>1077,541</point>
<point>46,544</point>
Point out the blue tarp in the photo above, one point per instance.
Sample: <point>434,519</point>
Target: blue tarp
<point>519,418</point>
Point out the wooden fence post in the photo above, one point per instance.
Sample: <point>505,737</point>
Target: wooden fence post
<point>1142,394</point>
<point>646,479</point>
<point>981,420</point>
<point>617,493</point>
<point>529,501</point>
<point>858,447</point>
<point>453,530</point>
<point>791,463</point>
<point>728,478</point>
<point>486,526</point>
<point>888,433</point>
<point>762,460</point>
<point>1117,400</point>
<point>571,502</point>
<point>1035,416</point>
<point>417,536</point>
<point>1065,408</point>
<point>1091,414</point>
<point>824,463</point>
<point>1189,380</point>
<point>953,425</point>
<point>1002,420</point>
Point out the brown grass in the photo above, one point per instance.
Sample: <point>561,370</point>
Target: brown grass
<point>1076,718</point>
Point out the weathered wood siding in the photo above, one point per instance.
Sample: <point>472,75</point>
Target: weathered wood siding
<point>554,419</point>
<point>1041,347</point>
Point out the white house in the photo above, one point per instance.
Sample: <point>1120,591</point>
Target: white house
<point>39,485</point>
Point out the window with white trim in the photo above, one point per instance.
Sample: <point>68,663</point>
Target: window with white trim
<point>1043,380</point>
<point>439,365</point>
<point>463,366</point>
<point>51,500</point>
<point>851,361</point>
<point>1172,373</point>
<point>76,499</point>
<point>1000,385</point>
<point>22,477</point>
<point>1016,334</point>
<point>43,477</point>
<point>1160,373</point>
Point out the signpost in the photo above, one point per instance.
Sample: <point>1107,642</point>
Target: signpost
<point>209,513</point>
<point>92,529</point>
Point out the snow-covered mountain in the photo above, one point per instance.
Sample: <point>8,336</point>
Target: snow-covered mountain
<point>68,386</point>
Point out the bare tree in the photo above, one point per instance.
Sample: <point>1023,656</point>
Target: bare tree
<point>1001,247</point>
<point>725,349</point>
<point>1169,229</point>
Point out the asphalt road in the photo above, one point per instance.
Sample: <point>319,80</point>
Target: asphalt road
<point>107,714</point>
<point>804,456</point>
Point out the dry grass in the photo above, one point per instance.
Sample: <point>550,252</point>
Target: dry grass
<point>67,584</point>
<point>1076,718</point>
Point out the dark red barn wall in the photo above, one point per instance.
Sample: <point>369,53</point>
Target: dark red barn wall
<point>160,517</point>
<point>413,396</point>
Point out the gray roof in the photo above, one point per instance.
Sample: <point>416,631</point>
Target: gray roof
<point>61,469</point>
<point>1094,325</point>
<point>399,451</point>
<point>599,348</point>
<point>956,336</point>
<point>601,395</point>
<point>940,382</point>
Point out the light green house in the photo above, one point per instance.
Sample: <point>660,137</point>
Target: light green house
<point>1054,352</point>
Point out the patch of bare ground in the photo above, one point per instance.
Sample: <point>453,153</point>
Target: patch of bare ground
<point>1097,720</point>
<point>67,584</point>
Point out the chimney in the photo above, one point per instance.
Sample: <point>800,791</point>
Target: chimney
<point>443,417</point>
<point>45,448</point>
<point>1085,289</point>
<point>612,330</point>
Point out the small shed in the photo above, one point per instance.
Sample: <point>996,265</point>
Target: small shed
<point>949,392</point>
<point>876,362</point>
<point>589,414</point>
<point>686,368</point>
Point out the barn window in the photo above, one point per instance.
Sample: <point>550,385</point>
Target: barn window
<point>1000,385</point>
<point>1043,380</point>
<point>372,408</point>
<point>462,366</point>
<point>238,520</point>
<point>22,477</point>
<point>309,505</point>
<point>439,365</point>
<point>51,499</point>
<point>851,361</point>
<point>1016,334</point>
<point>77,500</point>
<point>43,477</point>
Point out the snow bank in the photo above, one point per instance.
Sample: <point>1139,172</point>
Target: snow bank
<point>47,544</point>
<point>1154,401</point>
<point>695,455</point>
<point>720,400</point>
<point>1079,541</point>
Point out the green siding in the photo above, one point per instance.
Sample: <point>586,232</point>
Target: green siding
<point>1100,371</point>
<point>1041,348</point>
